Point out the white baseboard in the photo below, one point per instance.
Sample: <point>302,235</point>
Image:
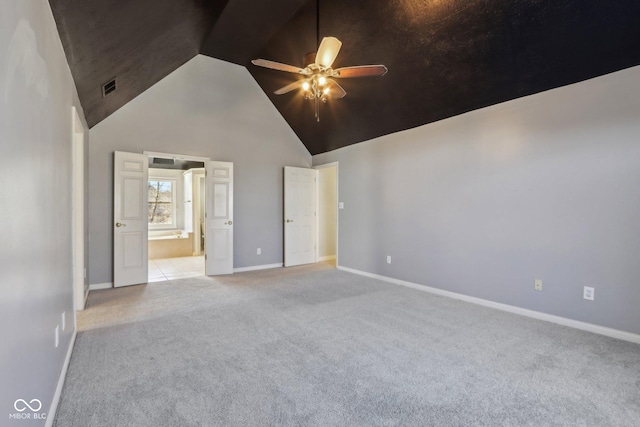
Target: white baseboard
<point>98,286</point>
<point>256,267</point>
<point>326,258</point>
<point>589,327</point>
<point>51,415</point>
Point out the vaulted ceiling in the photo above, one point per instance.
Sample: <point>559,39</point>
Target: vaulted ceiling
<point>445,57</point>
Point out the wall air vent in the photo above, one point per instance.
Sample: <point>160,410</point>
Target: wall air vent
<point>109,87</point>
<point>161,161</point>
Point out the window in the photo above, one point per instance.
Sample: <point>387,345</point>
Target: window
<point>162,203</point>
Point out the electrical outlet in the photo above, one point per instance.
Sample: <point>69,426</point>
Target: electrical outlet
<point>259,251</point>
<point>57,335</point>
<point>589,293</point>
<point>388,259</point>
<point>340,205</point>
<point>537,285</point>
<point>64,320</point>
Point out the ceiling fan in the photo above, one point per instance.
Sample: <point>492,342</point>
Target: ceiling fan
<point>318,83</point>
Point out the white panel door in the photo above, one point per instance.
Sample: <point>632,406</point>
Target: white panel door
<point>130,228</point>
<point>219,219</point>
<point>299,216</point>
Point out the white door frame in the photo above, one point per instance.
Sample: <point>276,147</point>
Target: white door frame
<point>325,166</point>
<point>79,272</point>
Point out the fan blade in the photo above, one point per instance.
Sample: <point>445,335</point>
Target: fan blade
<point>328,50</point>
<point>335,90</point>
<point>277,66</point>
<point>361,71</point>
<point>288,88</point>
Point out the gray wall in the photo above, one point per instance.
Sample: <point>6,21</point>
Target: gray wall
<point>205,108</point>
<point>482,204</point>
<point>36,96</point>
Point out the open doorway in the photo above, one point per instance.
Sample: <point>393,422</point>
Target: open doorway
<point>135,203</point>
<point>327,217</point>
<point>176,219</point>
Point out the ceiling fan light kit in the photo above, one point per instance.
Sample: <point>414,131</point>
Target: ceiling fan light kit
<point>318,84</point>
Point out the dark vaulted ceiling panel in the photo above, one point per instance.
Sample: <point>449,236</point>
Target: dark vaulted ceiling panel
<point>246,26</point>
<point>139,42</point>
<point>445,57</point>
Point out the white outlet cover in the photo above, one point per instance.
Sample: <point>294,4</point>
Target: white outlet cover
<point>537,285</point>
<point>340,205</point>
<point>388,259</point>
<point>589,293</point>
<point>259,251</point>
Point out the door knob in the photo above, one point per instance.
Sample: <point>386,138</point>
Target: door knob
<point>289,220</point>
<point>119,224</point>
<point>229,222</point>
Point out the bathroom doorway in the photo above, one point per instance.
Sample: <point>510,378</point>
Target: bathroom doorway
<point>176,219</point>
<point>327,213</point>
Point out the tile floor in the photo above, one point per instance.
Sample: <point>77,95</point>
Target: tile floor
<point>175,268</point>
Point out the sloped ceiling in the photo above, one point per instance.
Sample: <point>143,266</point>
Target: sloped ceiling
<point>445,57</point>
<point>138,42</point>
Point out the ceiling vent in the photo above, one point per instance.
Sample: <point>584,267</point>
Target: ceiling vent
<point>109,87</point>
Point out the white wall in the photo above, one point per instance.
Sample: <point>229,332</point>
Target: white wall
<point>36,96</point>
<point>484,203</point>
<point>206,108</point>
<point>327,193</point>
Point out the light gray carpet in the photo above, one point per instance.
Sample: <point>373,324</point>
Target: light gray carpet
<point>314,346</point>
